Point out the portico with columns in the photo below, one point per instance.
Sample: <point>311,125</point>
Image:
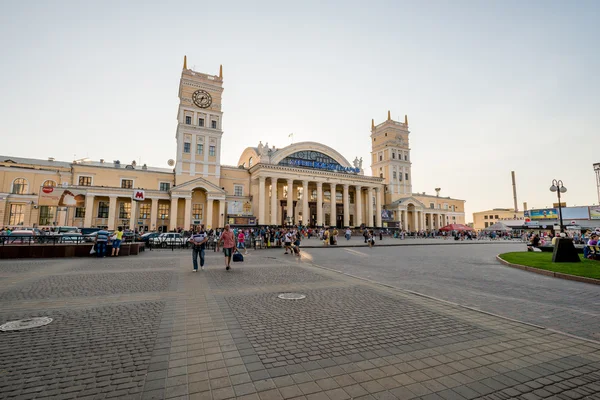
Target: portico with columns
<point>412,215</point>
<point>291,187</point>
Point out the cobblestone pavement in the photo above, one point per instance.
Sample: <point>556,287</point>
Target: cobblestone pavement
<point>147,327</point>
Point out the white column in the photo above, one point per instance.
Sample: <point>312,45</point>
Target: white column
<point>221,213</point>
<point>153,214</point>
<point>346,200</point>
<point>173,214</point>
<point>378,208</point>
<point>442,222</point>
<point>290,199</point>
<point>112,212</point>
<point>187,218</point>
<point>274,201</point>
<point>319,203</point>
<point>261,201</point>
<point>134,215</point>
<point>208,218</point>
<point>358,220</point>
<point>332,205</point>
<point>423,221</point>
<point>305,208</point>
<point>89,210</point>
<point>370,207</point>
<point>405,220</point>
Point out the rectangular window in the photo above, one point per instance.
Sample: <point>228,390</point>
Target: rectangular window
<point>238,190</point>
<point>380,157</point>
<point>405,157</point>
<point>213,124</point>
<point>431,205</point>
<point>164,186</point>
<point>485,217</point>
<point>199,148</point>
<point>496,217</point>
<point>46,215</point>
<point>313,195</point>
<point>300,192</point>
<point>211,151</point>
<point>394,175</point>
<point>102,209</point>
<point>85,181</point>
<point>17,214</point>
<point>163,211</point>
<point>200,121</point>
<point>406,176</point>
<point>400,176</point>
<point>197,211</point>
<point>188,120</point>
<point>126,183</point>
<point>351,198</point>
<point>393,155</point>
<point>339,197</point>
<point>125,210</point>
<point>486,225</point>
<point>80,212</point>
<point>145,209</point>
<point>186,147</point>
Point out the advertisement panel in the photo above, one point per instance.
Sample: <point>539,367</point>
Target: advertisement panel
<point>542,214</point>
<point>387,215</point>
<point>594,212</point>
<point>575,213</point>
<point>54,196</point>
<point>239,208</point>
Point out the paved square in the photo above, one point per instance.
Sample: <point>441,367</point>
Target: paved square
<point>341,321</point>
<point>147,327</point>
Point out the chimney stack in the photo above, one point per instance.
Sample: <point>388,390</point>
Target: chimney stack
<point>512,173</point>
<point>524,206</point>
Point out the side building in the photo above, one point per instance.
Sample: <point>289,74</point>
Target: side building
<point>484,219</point>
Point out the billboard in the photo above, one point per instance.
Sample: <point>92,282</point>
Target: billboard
<point>239,208</point>
<point>543,214</point>
<point>54,196</point>
<point>387,215</point>
<point>595,212</point>
<point>575,213</point>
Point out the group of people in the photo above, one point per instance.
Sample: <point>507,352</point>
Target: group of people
<point>101,242</point>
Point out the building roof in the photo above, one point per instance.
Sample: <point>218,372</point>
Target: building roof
<point>423,194</point>
<point>44,163</point>
<point>63,164</point>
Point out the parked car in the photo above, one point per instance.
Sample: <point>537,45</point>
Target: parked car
<point>71,238</point>
<point>87,231</point>
<point>167,239</point>
<point>131,236</point>
<point>21,237</point>
<point>150,235</point>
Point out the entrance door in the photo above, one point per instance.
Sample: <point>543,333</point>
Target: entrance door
<point>312,221</point>
<point>339,215</point>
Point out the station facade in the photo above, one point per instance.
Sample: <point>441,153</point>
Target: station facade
<point>304,183</point>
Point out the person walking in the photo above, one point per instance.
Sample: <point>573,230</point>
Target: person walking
<point>241,238</point>
<point>116,244</point>
<point>228,243</point>
<point>101,239</point>
<point>287,240</point>
<point>198,241</point>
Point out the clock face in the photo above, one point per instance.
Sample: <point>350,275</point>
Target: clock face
<point>202,98</point>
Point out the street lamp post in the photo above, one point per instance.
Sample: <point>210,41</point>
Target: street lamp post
<point>597,171</point>
<point>558,187</point>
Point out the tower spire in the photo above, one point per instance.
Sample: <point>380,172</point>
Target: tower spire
<point>221,72</point>
<point>389,116</point>
<point>405,119</point>
<point>184,62</point>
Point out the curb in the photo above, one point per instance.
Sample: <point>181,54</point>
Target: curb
<point>379,244</point>
<point>559,275</point>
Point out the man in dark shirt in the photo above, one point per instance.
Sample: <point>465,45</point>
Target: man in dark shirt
<point>198,241</point>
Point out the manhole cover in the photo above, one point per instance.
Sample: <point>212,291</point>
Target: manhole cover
<point>292,296</point>
<point>25,324</point>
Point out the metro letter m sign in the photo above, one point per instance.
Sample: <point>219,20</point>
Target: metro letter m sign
<point>139,195</point>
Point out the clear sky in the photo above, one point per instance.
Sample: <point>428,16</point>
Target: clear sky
<point>488,86</point>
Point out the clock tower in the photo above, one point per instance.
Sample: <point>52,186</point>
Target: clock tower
<point>199,126</point>
<point>390,157</point>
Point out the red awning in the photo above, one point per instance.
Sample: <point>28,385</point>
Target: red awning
<point>455,227</point>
